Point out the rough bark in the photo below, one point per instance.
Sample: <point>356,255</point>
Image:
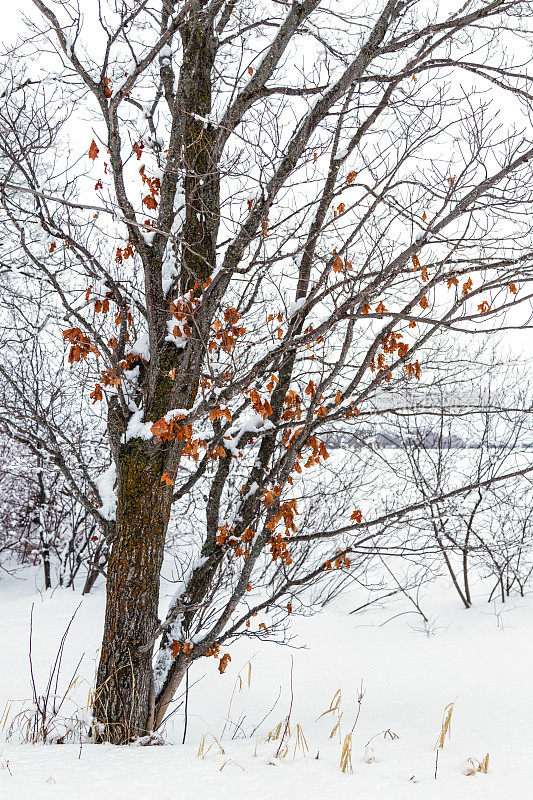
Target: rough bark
<point>124,681</point>
<point>124,702</point>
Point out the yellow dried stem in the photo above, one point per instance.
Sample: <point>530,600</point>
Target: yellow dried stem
<point>202,752</point>
<point>275,733</point>
<point>474,766</point>
<point>333,706</point>
<point>336,727</point>
<point>346,755</point>
<point>446,726</point>
<point>301,742</point>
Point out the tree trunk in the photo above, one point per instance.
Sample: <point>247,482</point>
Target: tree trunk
<point>94,571</point>
<point>123,704</point>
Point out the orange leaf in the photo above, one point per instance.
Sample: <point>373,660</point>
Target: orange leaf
<point>149,201</point>
<point>226,658</point>
<point>93,150</point>
<point>97,393</point>
<point>357,516</point>
<point>175,648</point>
<point>218,413</point>
<point>137,149</point>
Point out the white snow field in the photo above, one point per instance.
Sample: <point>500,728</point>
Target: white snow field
<point>482,659</point>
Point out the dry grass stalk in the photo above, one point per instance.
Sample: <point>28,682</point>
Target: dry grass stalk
<point>346,755</point>
<point>5,715</point>
<point>334,708</point>
<point>284,732</point>
<point>386,733</point>
<point>4,763</point>
<point>336,727</point>
<point>42,721</point>
<point>101,729</point>
<point>301,742</point>
<point>346,751</point>
<point>238,686</point>
<point>202,751</point>
<point>474,766</point>
<point>446,726</point>
<point>276,732</point>
<point>287,730</point>
<point>231,761</point>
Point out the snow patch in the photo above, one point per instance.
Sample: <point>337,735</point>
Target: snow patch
<point>137,429</point>
<point>252,423</point>
<point>176,334</point>
<point>168,272</point>
<point>106,485</point>
<point>140,348</point>
<point>295,307</point>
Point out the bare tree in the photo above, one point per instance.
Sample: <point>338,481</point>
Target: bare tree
<point>292,201</point>
<point>475,431</point>
<point>44,525</point>
<point>54,449</point>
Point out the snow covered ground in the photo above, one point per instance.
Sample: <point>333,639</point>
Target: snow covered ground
<point>482,659</point>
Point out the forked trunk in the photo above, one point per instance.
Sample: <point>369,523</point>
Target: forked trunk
<point>124,704</point>
<point>124,697</point>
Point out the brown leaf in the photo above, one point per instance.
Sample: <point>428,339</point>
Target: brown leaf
<point>150,202</point>
<point>93,150</point>
<point>226,658</point>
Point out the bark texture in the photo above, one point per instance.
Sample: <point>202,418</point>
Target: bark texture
<point>124,697</point>
<point>125,702</point>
